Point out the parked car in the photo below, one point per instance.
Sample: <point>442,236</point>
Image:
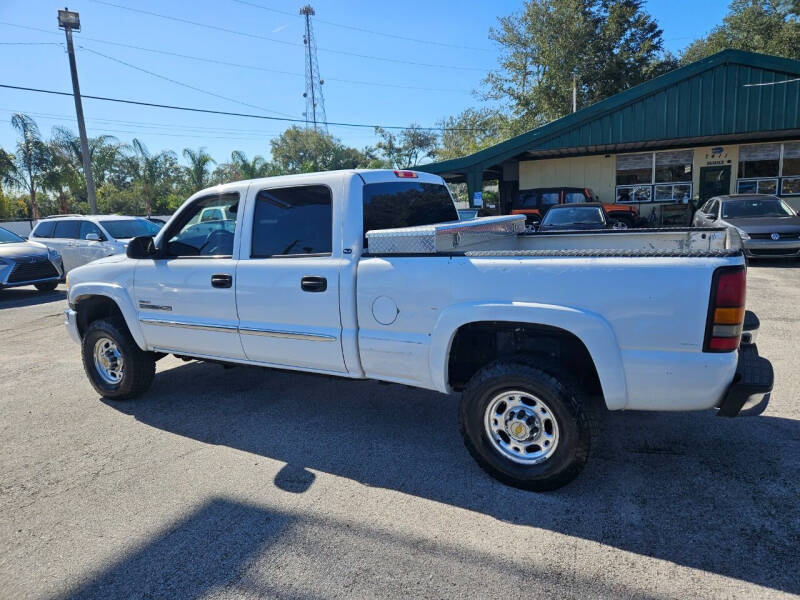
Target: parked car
<point>81,239</point>
<point>767,225</point>
<point>28,263</point>
<point>315,277</point>
<point>586,216</point>
<point>534,204</point>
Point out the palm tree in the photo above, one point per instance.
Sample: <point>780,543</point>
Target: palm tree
<point>150,170</point>
<point>7,168</point>
<point>250,169</point>
<point>32,158</point>
<point>198,169</point>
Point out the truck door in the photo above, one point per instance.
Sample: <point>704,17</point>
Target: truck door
<point>186,296</point>
<point>287,280</point>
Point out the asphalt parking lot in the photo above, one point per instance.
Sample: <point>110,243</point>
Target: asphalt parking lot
<point>245,483</point>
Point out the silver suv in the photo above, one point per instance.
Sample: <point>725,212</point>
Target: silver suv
<point>83,238</point>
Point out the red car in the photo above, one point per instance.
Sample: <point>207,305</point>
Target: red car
<point>534,203</point>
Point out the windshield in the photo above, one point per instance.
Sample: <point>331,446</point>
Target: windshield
<point>129,228</point>
<point>6,237</point>
<point>583,215</point>
<point>755,207</point>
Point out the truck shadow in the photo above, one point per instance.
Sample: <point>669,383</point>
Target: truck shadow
<point>707,493</point>
<point>29,296</point>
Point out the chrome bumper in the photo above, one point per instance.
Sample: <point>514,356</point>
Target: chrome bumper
<point>71,322</point>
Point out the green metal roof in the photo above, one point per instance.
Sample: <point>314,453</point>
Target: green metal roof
<point>712,98</point>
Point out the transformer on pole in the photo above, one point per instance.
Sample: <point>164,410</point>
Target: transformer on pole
<point>315,102</point>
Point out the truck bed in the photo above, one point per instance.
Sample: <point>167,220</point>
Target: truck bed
<point>502,236</point>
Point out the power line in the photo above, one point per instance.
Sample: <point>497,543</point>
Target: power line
<point>180,83</point>
<point>365,30</point>
<point>226,113</point>
<point>209,60</point>
<point>284,42</point>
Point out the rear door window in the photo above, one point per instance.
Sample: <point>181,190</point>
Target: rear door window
<point>44,229</point>
<point>67,230</point>
<point>406,204</point>
<point>293,221</point>
<point>548,199</point>
<point>574,197</point>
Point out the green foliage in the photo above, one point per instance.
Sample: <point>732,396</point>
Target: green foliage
<point>198,171</point>
<point>299,150</point>
<point>470,131</point>
<point>603,46</point>
<point>765,26</point>
<point>407,148</point>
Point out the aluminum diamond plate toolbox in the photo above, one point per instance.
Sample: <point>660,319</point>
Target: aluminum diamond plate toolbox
<point>443,237</point>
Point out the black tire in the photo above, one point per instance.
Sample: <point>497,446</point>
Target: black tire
<point>139,366</point>
<point>568,404</point>
<point>626,222</point>
<point>48,286</point>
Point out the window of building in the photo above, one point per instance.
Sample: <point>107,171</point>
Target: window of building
<point>673,192</point>
<point>661,176</point>
<point>293,221</point>
<point>673,166</point>
<point>757,186</point>
<point>790,186</point>
<point>759,160</point>
<point>634,168</point>
<point>634,193</point>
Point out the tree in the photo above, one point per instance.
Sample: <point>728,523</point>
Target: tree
<point>299,150</point>
<point>407,148</point>
<point>198,169</point>
<point>765,26</point>
<point>250,169</point>
<point>601,46</point>
<point>472,130</point>
<point>32,158</point>
<point>151,169</point>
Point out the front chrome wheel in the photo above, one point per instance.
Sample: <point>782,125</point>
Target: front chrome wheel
<point>108,361</point>
<point>521,427</point>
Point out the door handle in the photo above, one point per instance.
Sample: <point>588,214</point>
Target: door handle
<point>313,283</point>
<point>222,280</point>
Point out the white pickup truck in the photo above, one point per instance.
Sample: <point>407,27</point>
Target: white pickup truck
<point>539,332</point>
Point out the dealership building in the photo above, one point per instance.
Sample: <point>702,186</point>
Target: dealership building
<point>726,124</point>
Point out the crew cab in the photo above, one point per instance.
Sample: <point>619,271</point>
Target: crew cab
<point>370,274</point>
<point>534,204</point>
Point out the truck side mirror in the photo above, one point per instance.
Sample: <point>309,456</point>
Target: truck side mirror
<point>142,247</point>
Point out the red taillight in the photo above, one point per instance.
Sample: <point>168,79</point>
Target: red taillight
<point>726,310</point>
<point>406,174</point>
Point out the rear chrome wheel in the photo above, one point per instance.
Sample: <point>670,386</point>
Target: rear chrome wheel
<point>108,361</point>
<point>522,427</point>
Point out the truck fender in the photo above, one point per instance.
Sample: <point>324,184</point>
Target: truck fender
<point>592,329</point>
<point>120,296</point>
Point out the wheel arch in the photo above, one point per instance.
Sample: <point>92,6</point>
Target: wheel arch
<point>592,331</point>
<point>92,302</point>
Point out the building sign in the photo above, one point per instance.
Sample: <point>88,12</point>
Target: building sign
<point>477,199</point>
<point>717,156</point>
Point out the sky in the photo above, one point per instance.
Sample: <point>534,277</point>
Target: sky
<point>382,64</point>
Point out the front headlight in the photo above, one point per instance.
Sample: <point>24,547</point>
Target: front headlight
<point>743,234</point>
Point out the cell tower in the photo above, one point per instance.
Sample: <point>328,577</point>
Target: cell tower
<point>315,102</point>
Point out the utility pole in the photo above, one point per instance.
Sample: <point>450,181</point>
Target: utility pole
<point>574,93</point>
<point>69,20</point>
